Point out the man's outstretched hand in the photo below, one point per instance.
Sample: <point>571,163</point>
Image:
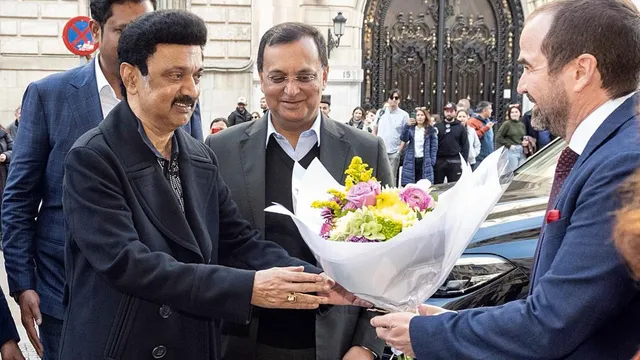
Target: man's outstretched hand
<point>340,296</point>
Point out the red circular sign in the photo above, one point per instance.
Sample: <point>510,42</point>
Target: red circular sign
<point>77,36</point>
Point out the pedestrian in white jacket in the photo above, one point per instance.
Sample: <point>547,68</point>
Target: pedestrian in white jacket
<point>474,141</point>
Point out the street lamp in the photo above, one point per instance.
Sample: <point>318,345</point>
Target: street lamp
<point>338,29</point>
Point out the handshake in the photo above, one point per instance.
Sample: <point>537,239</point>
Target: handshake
<point>292,288</point>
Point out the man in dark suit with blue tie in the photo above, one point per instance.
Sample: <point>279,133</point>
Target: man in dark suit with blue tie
<point>581,63</point>
<point>56,111</point>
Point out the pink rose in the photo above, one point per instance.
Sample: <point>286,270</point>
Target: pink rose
<point>417,198</point>
<point>363,194</point>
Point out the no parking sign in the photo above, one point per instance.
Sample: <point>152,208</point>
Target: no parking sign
<point>77,36</point>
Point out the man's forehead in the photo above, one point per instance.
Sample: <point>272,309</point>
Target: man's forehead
<point>533,34</point>
<point>297,55</point>
<point>171,55</point>
<point>179,51</point>
<point>123,14</point>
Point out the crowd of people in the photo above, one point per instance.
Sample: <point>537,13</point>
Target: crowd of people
<point>419,145</point>
<point>119,221</point>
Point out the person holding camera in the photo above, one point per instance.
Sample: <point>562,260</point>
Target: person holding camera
<point>422,147</point>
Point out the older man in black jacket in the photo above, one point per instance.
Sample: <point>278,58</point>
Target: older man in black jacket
<point>154,237</point>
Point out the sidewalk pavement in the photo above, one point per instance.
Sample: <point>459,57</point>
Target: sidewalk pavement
<point>27,349</point>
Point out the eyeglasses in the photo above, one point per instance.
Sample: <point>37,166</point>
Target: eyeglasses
<point>301,80</point>
<point>395,98</point>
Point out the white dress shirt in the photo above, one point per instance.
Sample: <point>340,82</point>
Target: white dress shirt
<point>418,140</point>
<point>306,141</point>
<point>108,99</point>
<point>590,125</point>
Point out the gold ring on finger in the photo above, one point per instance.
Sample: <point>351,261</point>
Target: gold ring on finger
<point>291,297</point>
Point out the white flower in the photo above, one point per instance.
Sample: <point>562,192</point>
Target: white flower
<point>341,229</point>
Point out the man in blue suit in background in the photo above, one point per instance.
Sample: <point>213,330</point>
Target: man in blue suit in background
<point>581,63</point>
<point>56,111</point>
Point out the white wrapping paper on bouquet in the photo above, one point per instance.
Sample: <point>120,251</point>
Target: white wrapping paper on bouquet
<point>401,273</point>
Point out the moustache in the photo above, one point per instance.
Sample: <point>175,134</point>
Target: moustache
<point>531,98</point>
<point>185,99</point>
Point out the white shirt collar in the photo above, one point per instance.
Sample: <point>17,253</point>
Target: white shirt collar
<point>108,99</point>
<point>315,128</point>
<point>100,78</point>
<point>590,125</point>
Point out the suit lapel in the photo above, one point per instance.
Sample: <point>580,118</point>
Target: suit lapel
<point>253,158</point>
<point>83,94</point>
<point>196,180</point>
<point>334,152</point>
<point>619,117</point>
<point>152,189</point>
<point>334,149</point>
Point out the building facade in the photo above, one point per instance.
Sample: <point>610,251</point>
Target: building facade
<point>31,47</point>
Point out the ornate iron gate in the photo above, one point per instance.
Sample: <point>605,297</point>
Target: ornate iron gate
<point>470,53</point>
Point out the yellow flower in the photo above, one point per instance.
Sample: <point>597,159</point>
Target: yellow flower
<point>357,173</point>
<point>387,199</point>
<point>334,206</point>
<point>400,215</point>
<point>338,194</point>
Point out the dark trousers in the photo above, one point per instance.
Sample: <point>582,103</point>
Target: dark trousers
<point>419,163</point>
<point>447,167</point>
<point>50,333</point>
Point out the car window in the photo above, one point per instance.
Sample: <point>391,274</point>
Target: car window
<point>541,166</point>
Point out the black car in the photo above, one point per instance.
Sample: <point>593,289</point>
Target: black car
<point>496,266</point>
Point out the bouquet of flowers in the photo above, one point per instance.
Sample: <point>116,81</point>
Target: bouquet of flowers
<point>392,247</point>
<point>366,212</point>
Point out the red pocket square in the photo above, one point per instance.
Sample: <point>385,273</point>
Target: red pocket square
<point>553,216</point>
